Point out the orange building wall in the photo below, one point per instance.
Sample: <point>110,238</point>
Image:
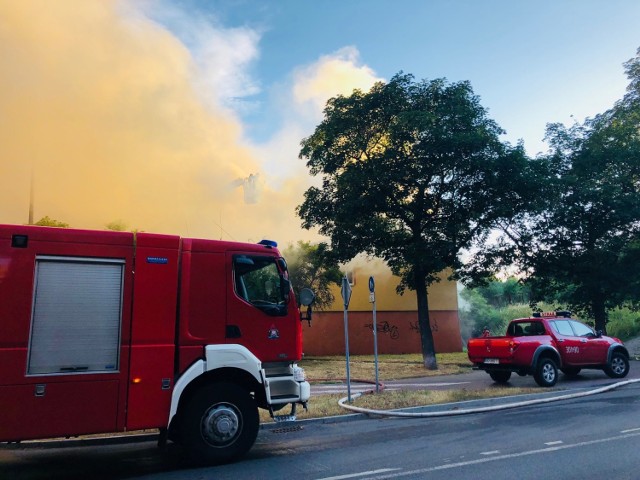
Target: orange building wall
<point>396,316</point>
<point>397,333</point>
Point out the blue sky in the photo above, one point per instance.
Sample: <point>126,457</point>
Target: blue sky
<point>185,116</point>
<point>531,62</point>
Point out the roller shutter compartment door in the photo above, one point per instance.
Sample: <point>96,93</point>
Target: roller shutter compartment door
<point>77,310</point>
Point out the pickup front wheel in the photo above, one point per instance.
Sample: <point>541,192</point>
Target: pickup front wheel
<point>500,376</point>
<point>618,366</point>
<point>546,373</point>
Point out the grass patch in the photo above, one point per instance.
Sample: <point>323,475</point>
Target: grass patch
<point>390,367</point>
<point>327,405</point>
<point>414,398</point>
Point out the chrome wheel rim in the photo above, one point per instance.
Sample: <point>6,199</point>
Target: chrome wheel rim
<point>617,365</point>
<point>548,373</point>
<point>220,425</point>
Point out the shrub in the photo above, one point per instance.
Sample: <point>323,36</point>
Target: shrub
<point>623,323</point>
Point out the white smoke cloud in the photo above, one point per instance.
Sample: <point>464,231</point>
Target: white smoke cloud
<point>338,73</point>
<point>301,103</point>
<point>129,111</point>
<point>251,187</point>
<point>222,57</point>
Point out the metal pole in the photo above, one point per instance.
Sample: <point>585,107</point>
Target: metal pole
<point>346,295</point>
<point>372,299</point>
<point>31,199</point>
<point>346,341</point>
<point>375,344</point>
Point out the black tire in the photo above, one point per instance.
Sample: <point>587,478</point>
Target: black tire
<point>500,376</point>
<point>618,366</point>
<point>219,423</point>
<point>571,371</point>
<point>546,372</point>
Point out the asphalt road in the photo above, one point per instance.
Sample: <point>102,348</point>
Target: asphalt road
<point>594,437</point>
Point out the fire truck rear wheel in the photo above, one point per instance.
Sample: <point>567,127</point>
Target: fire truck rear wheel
<point>220,423</point>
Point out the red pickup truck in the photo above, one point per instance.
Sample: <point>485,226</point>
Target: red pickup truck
<point>544,343</point>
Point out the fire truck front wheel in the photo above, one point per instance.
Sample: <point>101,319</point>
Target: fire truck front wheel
<point>220,423</point>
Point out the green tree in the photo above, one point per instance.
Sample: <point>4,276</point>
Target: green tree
<point>121,226</point>
<point>578,246</point>
<point>313,266</point>
<point>51,222</point>
<point>412,172</point>
<point>476,313</point>
<point>500,293</point>
<point>117,226</point>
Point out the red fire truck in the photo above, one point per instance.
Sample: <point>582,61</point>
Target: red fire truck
<point>109,331</point>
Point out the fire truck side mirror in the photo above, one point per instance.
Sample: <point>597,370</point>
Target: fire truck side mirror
<point>306,299</point>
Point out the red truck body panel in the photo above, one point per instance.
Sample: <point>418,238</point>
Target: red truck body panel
<point>176,297</point>
<point>153,330</point>
<point>78,403</point>
<point>570,344</point>
<point>509,349</point>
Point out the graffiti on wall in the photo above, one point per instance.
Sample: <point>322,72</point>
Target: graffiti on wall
<point>384,328</point>
<point>394,332</point>
<point>414,326</point>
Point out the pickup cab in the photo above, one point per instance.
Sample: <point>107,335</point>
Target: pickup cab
<point>545,343</point>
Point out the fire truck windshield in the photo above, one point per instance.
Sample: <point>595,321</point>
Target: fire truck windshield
<point>259,282</point>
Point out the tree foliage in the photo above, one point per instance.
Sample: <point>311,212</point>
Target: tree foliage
<point>121,226</point>
<point>117,226</point>
<point>580,237</point>
<point>500,293</point>
<point>51,222</point>
<point>412,172</point>
<point>492,305</point>
<point>313,266</point>
<point>476,313</point>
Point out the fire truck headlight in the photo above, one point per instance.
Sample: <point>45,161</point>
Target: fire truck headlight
<point>298,374</point>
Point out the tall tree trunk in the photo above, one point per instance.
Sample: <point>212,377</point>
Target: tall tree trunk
<point>426,336</point>
<point>599,314</point>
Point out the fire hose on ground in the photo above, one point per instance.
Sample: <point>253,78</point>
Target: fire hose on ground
<point>466,411</point>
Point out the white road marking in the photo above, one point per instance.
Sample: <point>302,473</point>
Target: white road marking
<point>557,442</point>
<point>492,452</point>
<point>422,471</point>
<point>361,474</point>
<point>630,430</point>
